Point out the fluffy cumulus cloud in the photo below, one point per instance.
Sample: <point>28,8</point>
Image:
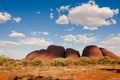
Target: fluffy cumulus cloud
<point>112,43</point>
<point>4,44</point>
<point>63,19</point>
<point>82,39</point>
<point>4,17</point>
<point>17,19</point>
<point>90,16</point>
<point>35,42</point>
<point>16,35</point>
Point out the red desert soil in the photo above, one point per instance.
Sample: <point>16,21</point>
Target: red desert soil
<point>60,73</point>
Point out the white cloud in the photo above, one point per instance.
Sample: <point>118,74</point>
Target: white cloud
<point>112,43</point>
<point>89,28</point>
<point>63,8</point>
<point>45,33</point>
<point>51,15</point>
<point>35,42</point>
<point>116,11</point>
<point>113,21</point>
<point>17,35</point>
<point>4,17</point>
<point>63,19</point>
<point>89,15</point>
<point>12,54</point>
<point>83,39</point>
<point>4,44</point>
<point>69,37</point>
<point>17,19</point>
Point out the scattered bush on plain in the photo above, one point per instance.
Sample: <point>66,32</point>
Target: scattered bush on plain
<point>5,61</point>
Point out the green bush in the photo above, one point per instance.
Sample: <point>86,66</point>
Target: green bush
<point>106,60</point>
<point>61,62</point>
<point>3,59</point>
<point>25,63</point>
<point>36,62</point>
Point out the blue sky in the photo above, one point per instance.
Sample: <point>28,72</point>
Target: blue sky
<point>27,25</point>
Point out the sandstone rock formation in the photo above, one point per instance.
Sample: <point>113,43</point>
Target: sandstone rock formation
<point>42,54</point>
<point>106,52</point>
<point>56,51</point>
<point>71,53</point>
<point>92,51</point>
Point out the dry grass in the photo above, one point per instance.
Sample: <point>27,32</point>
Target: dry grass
<point>59,73</point>
<point>60,69</point>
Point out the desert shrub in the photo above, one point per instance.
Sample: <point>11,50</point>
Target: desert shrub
<point>82,61</point>
<point>25,63</point>
<point>93,61</point>
<point>85,61</point>
<point>79,63</point>
<point>36,62</point>
<point>3,59</point>
<point>115,61</point>
<point>106,60</point>
<point>61,62</point>
<point>12,63</point>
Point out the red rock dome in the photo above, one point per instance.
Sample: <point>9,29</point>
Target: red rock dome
<point>92,51</point>
<point>106,52</point>
<point>71,53</point>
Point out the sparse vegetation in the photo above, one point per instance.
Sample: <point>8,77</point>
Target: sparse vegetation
<point>6,62</point>
<point>37,69</point>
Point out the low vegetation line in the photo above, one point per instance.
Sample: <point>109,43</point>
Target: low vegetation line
<point>6,62</point>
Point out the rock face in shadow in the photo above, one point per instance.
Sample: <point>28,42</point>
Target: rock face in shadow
<point>71,53</point>
<point>56,51</point>
<point>42,54</point>
<point>92,51</point>
<point>106,52</point>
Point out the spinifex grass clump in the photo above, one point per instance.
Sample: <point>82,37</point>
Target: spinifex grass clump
<point>36,62</point>
<point>61,62</point>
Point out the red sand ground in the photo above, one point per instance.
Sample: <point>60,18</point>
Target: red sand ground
<point>61,73</point>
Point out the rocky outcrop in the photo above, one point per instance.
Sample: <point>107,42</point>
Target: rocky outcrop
<point>56,51</point>
<point>52,52</point>
<point>92,51</point>
<point>42,54</point>
<point>71,53</point>
<point>106,52</point>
